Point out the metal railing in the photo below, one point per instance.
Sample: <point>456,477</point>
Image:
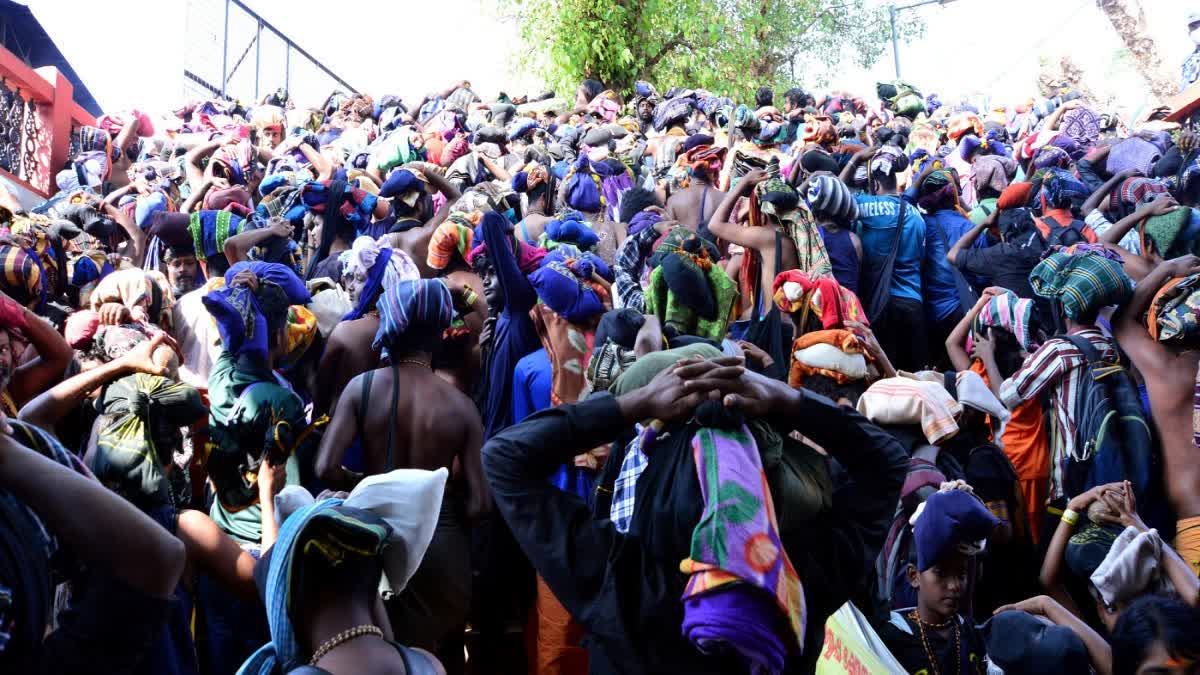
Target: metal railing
<point>38,115</point>
<point>232,52</point>
<point>18,132</point>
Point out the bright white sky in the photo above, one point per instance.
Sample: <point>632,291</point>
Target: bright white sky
<point>413,46</point>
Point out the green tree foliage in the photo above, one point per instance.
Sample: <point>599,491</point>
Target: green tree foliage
<point>731,46</point>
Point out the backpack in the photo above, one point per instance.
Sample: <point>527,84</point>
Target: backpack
<point>1053,233</point>
<point>1114,440</point>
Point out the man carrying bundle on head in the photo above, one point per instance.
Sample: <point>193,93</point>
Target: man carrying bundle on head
<point>413,316</point>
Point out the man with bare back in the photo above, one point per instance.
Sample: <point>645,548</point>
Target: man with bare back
<point>390,410</point>
<point>695,205</point>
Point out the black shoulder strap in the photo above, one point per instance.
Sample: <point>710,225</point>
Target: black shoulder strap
<point>367,381</point>
<point>364,404</point>
<point>899,229</point>
<point>1084,346</point>
<point>392,415</point>
<point>881,288</point>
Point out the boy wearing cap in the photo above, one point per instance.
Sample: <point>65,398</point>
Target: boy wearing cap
<point>933,638</point>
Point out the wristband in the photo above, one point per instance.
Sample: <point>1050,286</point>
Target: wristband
<point>1070,517</point>
<point>470,297</point>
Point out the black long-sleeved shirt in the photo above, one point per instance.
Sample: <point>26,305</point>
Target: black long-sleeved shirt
<point>627,600</point>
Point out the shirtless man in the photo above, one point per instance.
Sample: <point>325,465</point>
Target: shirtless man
<point>760,239</point>
<point>406,431</point>
<point>458,360</point>
<point>695,205</point>
<point>421,220</point>
<point>349,350</point>
<point>1138,262</point>
<point>127,146</point>
<point>198,172</point>
<point>540,209</point>
<point>1170,376</point>
<point>758,323</point>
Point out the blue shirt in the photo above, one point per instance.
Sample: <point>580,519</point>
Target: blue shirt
<point>876,228</point>
<point>514,335</point>
<point>531,385</point>
<point>941,290</point>
<point>955,226</point>
<point>532,379</point>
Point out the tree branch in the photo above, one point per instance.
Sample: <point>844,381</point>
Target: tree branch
<point>817,17</point>
<point>669,46</point>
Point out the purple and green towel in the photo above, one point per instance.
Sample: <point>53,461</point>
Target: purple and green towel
<point>743,593</point>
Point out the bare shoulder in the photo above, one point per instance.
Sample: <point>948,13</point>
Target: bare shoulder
<point>457,402</point>
<point>353,389</point>
<point>337,337</point>
<point>680,196</point>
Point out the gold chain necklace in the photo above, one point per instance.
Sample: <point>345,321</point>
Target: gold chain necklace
<point>929,650</point>
<point>342,638</point>
<point>936,626</point>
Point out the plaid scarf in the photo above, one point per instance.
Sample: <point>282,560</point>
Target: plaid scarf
<point>22,276</point>
<point>130,452</point>
<point>1083,282</point>
<point>1132,193</point>
<point>413,314</point>
<point>811,255</point>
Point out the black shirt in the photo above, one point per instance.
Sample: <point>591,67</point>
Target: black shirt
<point>628,599</point>
<point>330,267</point>
<point>903,640</point>
<point>1008,264</point>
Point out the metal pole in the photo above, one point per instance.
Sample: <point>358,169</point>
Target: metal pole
<point>895,45</point>
<point>321,66</point>
<point>225,50</point>
<point>257,58</point>
<point>287,67</point>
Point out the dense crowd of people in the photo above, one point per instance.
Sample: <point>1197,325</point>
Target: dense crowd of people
<point>642,383</point>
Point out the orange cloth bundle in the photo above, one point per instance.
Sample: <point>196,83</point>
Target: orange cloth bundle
<point>837,354</point>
